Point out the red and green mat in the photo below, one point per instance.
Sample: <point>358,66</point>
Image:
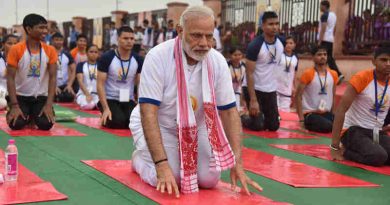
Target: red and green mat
<point>58,161</point>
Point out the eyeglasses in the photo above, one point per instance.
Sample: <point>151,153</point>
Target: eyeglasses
<point>199,36</point>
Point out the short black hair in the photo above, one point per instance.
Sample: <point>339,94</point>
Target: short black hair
<point>316,48</point>
<point>124,29</point>
<point>5,39</point>
<point>325,3</point>
<point>146,21</point>
<point>90,46</point>
<point>234,49</point>
<point>268,15</point>
<point>57,35</point>
<point>81,36</point>
<point>32,20</point>
<point>382,49</point>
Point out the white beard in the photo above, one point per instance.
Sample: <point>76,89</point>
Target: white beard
<point>191,53</point>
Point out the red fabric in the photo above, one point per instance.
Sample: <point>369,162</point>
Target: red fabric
<point>288,116</point>
<point>121,171</point>
<point>323,152</point>
<point>28,189</point>
<point>76,107</point>
<point>56,130</point>
<point>295,173</point>
<point>94,122</point>
<point>292,125</point>
<point>280,134</point>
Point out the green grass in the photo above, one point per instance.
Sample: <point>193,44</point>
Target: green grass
<point>57,159</point>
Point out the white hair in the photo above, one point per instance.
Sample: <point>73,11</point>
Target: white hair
<point>196,12</point>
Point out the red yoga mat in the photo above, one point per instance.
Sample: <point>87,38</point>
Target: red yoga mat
<point>28,188</point>
<point>76,107</point>
<point>323,152</point>
<point>56,130</point>
<point>280,134</point>
<point>293,125</point>
<point>95,123</point>
<point>121,171</point>
<point>288,116</point>
<point>295,173</point>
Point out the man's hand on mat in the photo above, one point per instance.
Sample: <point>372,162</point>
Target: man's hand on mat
<point>58,91</point>
<point>337,154</point>
<point>14,114</point>
<point>166,180</point>
<point>69,89</point>
<point>254,109</point>
<point>238,173</point>
<point>106,114</point>
<point>47,110</point>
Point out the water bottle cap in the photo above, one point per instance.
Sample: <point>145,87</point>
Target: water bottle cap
<point>11,141</point>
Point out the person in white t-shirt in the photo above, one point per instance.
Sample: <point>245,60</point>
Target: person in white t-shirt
<point>315,94</point>
<point>326,35</point>
<point>8,42</point>
<point>359,118</point>
<point>217,37</point>
<point>113,35</point>
<point>288,65</point>
<point>260,84</point>
<point>86,72</point>
<point>186,100</point>
<point>237,70</point>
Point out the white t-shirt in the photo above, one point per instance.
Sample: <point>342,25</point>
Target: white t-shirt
<point>3,69</point>
<point>113,37</point>
<point>266,57</point>
<point>217,37</point>
<point>63,62</point>
<point>158,86</point>
<point>117,79</point>
<point>329,18</point>
<point>362,111</point>
<point>89,72</point>
<point>288,65</point>
<point>313,95</point>
<point>238,74</point>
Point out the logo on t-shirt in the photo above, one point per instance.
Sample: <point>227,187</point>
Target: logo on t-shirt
<point>122,77</point>
<point>35,67</point>
<point>382,108</point>
<point>92,73</point>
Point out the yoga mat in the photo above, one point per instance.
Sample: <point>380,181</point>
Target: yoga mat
<point>323,152</point>
<point>95,123</point>
<point>121,171</point>
<point>76,107</point>
<point>288,116</point>
<point>280,134</point>
<point>292,125</point>
<point>56,130</point>
<point>295,173</point>
<point>28,188</point>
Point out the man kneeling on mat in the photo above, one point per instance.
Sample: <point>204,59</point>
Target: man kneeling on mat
<point>185,106</point>
<point>31,77</point>
<point>360,116</point>
<point>315,94</point>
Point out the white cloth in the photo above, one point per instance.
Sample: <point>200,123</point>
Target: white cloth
<point>113,37</point>
<point>284,103</point>
<point>147,41</point>
<point>311,98</point>
<point>331,19</point>
<point>286,72</point>
<point>84,105</point>
<point>138,37</point>
<point>3,69</point>
<point>217,37</point>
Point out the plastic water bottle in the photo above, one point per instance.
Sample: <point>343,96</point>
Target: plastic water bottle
<point>11,161</point>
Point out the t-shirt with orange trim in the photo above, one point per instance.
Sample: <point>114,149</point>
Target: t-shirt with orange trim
<point>362,110</point>
<point>77,56</point>
<point>311,98</point>
<point>32,78</point>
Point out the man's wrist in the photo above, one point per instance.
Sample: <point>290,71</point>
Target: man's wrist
<point>335,147</point>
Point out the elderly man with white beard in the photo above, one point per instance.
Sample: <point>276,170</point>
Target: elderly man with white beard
<point>186,127</point>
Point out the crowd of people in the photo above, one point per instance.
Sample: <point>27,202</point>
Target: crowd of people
<point>183,100</point>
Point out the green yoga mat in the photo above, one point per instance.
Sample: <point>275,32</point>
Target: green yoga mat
<point>65,116</point>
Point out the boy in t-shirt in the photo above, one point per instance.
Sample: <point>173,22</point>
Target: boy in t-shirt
<point>359,118</point>
<point>31,77</point>
<point>315,94</point>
